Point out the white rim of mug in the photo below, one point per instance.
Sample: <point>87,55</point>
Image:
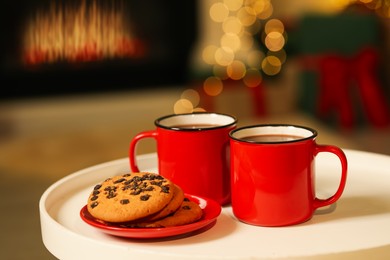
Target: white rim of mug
<point>306,133</point>
<point>170,121</point>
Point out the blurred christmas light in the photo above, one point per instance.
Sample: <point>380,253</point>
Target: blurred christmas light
<point>192,96</point>
<point>274,41</point>
<point>208,54</point>
<point>236,70</point>
<point>267,12</point>
<point>239,56</point>
<point>271,65</point>
<point>213,86</point>
<point>247,16</point>
<point>183,106</point>
<point>274,25</point>
<point>231,41</point>
<point>233,5</point>
<point>219,12</point>
<point>224,56</point>
<point>199,109</point>
<point>258,6</point>
<point>232,25</point>
<point>252,78</point>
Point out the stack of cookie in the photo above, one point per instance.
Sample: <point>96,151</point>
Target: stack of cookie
<point>142,199</point>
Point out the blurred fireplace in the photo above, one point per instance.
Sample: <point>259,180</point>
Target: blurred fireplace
<point>55,47</point>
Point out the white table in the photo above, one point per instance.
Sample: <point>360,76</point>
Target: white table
<point>359,225</point>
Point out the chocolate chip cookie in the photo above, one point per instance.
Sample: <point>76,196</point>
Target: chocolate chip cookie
<point>187,213</point>
<point>130,196</point>
<point>173,205</point>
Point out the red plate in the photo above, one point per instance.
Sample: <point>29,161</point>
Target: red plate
<point>211,210</point>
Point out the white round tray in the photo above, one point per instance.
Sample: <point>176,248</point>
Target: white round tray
<point>358,225</point>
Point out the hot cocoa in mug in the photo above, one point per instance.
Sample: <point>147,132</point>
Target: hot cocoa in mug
<point>269,138</point>
<point>193,126</point>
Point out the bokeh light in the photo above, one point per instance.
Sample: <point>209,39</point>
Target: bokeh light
<point>233,5</point>
<point>232,25</point>
<point>199,109</point>
<point>224,56</point>
<point>213,86</point>
<point>231,41</point>
<point>192,96</point>
<point>258,6</point>
<point>239,56</point>
<point>252,78</point>
<point>247,16</point>
<point>219,12</point>
<point>274,25</point>
<point>271,65</point>
<point>208,54</point>
<point>236,70</point>
<point>183,106</point>
<point>274,41</point>
<point>267,10</point>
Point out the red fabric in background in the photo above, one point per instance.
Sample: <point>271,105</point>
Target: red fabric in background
<point>338,75</point>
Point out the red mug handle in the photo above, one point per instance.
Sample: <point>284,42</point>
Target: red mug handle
<point>133,144</point>
<point>344,165</point>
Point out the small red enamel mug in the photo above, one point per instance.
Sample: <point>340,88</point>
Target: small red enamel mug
<point>273,175</point>
<point>193,152</point>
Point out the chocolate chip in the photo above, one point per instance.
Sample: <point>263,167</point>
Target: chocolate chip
<point>128,182</point>
<point>186,199</point>
<point>137,178</point>
<point>157,183</point>
<point>149,188</point>
<point>186,207</point>
<point>125,201</point>
<point>97,187</point>
<point>110,188</point>
<point>94,198</point>
<point>119,180</point>
<point>165,189</point>
<point>111,194</point>
<point>94,204</point>
<point>145,197</point>
<point>136,192</point>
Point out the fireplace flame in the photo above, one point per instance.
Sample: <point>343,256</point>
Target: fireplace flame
<point>86,32</point>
